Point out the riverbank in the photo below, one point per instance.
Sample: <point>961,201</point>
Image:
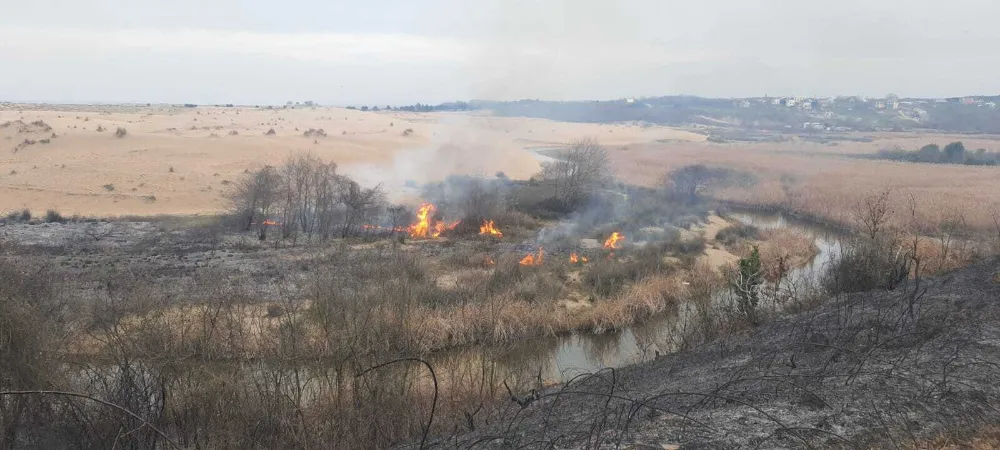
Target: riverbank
<point>825,378</point>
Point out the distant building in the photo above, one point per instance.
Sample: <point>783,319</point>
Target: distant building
<point>991,105</point>
<point>879,104</point>
<point>968,101</point>
<point>629,100</point>
<point>776,101</point>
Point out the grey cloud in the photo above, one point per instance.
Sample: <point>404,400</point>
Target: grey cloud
<point>400,51</point>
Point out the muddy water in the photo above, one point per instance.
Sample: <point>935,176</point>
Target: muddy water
<point>561,358</point>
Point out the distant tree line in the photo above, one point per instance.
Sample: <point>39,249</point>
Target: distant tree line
<point>953,153</point>
<point>420,107</point>
<point>686,109</point>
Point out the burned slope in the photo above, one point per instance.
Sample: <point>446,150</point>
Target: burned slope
<point>875,369</point>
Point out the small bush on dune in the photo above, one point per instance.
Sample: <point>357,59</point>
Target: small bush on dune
<point>53,216</point>
<point>737,235</point>
<point>608,277</point>
<point>685,246</point>
<point>121,132</point>
<point>100,129</point>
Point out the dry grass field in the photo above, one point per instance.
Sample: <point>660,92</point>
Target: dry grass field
<point>825,181</point>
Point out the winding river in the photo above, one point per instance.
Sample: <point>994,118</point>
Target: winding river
<point>560,358</point>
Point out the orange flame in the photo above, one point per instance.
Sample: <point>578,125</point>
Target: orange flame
<point>573,258</point>
<point>531,260</point>
<point>612,241</point>
<point>424,227</point>
<point>488,261</point>
<point>489,228</point>
<point>270,223</point>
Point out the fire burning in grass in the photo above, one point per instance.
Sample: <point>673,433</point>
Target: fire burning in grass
<point>531,260</point>
<point>426,227</point>
<point>612,241</point>
<point>488,228</point>
<point>574,259</point>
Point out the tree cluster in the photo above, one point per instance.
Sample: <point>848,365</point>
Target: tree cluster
<point>304,196</point>
<point>953,153</point>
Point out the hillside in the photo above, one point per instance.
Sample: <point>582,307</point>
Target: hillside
<point>860,371</point>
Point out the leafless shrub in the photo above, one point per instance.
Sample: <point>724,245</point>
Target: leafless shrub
<point>690,183</point>
<point>53,216</point>
<point>312,132</point>
<point>578,172</point>
<point>121,132</point>
<point>873,212</point>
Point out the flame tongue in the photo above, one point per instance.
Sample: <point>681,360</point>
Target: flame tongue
<point>490,229</point>
<point>612,241</point>
<point>532,260</point>
<point>424,227</point>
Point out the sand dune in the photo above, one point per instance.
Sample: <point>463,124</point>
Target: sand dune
<point>83,171</point>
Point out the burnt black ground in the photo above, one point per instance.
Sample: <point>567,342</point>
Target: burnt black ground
<point>859,371</point>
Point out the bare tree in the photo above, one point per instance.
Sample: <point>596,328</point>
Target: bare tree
<point>327,187</point>
<point>299,173</point>
<point>873,212</point>
<point>689,183</point>
<point>254,198</point>
<point>578,171</point>
<point>359,204</point>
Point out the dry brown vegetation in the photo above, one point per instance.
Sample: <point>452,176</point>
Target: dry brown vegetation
<point>825,182</point>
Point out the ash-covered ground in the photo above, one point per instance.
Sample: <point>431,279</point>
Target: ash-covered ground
<point>885,369</point>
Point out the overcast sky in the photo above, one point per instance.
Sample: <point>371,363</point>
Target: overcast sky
<point>404,51</point>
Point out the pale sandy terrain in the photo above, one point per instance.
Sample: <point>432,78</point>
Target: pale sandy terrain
<point>71,171</point>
